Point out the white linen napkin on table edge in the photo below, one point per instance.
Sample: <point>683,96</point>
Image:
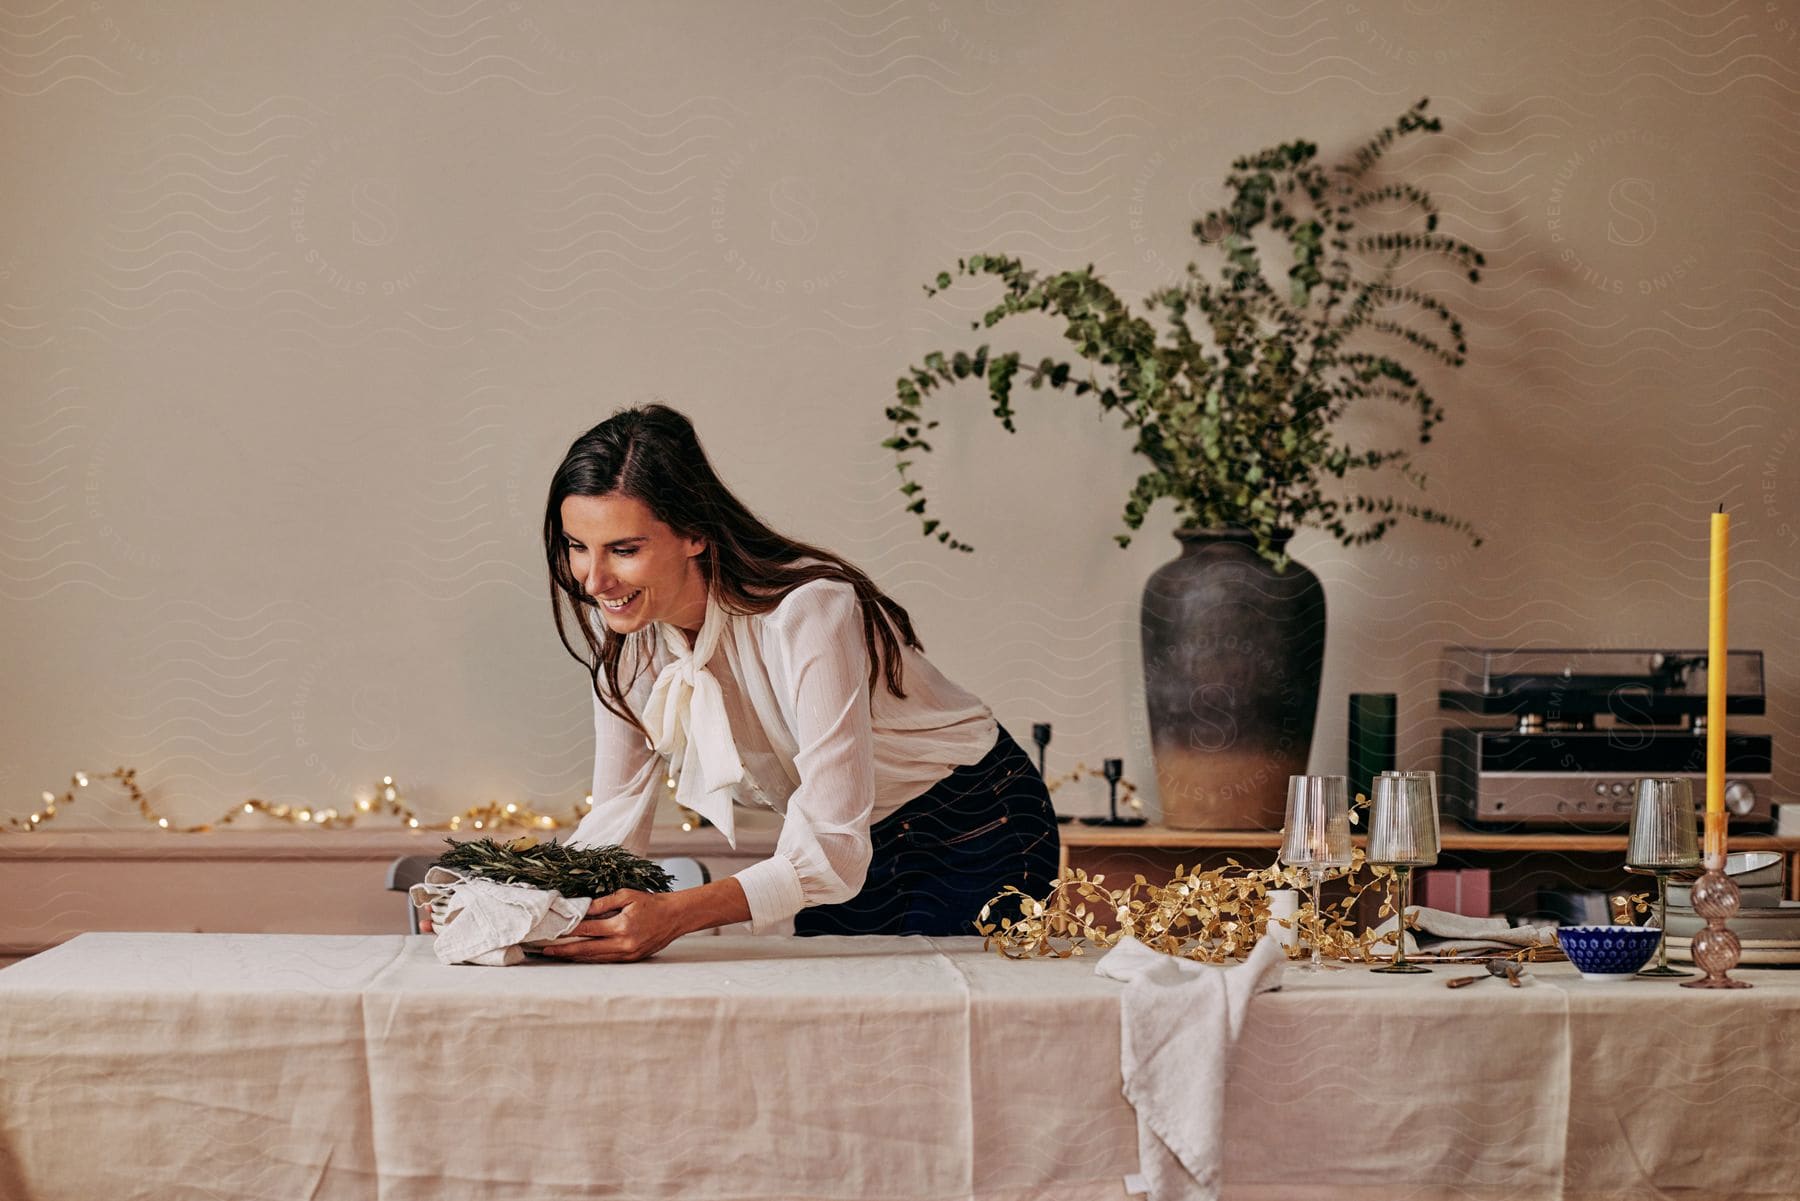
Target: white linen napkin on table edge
<point>1455,934</point>
<point>488,924</point>
<point>1178,1023</point>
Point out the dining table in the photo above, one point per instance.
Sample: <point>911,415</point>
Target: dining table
<point>356,1068</point>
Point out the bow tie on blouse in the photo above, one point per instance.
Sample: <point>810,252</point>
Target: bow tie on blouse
<point>688,726</point>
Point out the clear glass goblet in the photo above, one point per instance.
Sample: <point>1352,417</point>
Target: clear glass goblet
<point>1317,838</point>
<point>1403,834</point>
<point>1664,839</point>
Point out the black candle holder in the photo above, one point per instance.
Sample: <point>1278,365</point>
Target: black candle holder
<point>1114,771</point>
<point>1040,734</point>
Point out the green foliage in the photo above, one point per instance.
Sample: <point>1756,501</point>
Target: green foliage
<point>1233,404</point>
<point>571,871</point>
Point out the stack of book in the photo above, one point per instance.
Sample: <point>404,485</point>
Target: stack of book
<point>1767,926</point>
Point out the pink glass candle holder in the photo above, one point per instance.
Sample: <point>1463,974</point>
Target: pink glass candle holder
<point>1716,949</point>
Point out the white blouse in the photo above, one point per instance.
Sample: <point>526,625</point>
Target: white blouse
<point>775,710</point>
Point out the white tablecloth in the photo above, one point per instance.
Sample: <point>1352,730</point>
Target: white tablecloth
<point>322,1067</point>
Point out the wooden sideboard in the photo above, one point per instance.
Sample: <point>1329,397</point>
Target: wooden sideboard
<point>55,884</point>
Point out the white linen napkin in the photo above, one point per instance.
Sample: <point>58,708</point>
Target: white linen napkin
<point>689,728</point>
<point>1178,1023</point>
<point>489,924</point>
<point>1446,933</point>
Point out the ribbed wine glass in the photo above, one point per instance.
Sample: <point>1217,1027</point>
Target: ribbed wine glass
<point>1664,839</point>
<point>1317,838</point>
<point>1403,834</point>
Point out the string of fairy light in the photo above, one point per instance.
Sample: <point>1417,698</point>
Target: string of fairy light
<point>385,799</point>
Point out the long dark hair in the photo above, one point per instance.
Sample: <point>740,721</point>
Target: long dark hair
<point>651,454</point>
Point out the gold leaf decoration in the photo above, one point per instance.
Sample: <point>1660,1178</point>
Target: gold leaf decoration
<point>1214,916</point>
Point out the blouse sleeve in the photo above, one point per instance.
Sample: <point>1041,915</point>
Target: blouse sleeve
<point>813,647</point>
<point>627,776</point>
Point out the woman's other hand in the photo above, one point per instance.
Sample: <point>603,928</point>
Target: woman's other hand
<point>625,926</point>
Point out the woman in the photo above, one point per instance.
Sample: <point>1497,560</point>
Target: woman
<point>746,667</point>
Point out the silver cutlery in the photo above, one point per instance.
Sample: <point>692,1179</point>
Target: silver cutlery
<point>1507,968</point>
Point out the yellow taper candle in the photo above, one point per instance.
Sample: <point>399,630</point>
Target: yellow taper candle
<point>1715,689</point>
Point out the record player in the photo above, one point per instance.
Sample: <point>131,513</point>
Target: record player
<point>1585,725</point>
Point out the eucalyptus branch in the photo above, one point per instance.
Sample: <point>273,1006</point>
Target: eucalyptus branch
<point>1233,403</point>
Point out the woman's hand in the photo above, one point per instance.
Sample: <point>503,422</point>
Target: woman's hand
<point>640,924</point>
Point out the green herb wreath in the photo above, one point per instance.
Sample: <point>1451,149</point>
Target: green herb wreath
<point>571,871</point>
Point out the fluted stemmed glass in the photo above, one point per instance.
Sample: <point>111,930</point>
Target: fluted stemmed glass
<point>1664,839</point>
<point>1317,839</point>
<point>1403,834</point>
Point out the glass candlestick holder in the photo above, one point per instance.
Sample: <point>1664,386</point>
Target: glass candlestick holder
<point>1403,834</point>
<point>1665,839</point>
<point>1716,949</point>
<point>1316,838</point>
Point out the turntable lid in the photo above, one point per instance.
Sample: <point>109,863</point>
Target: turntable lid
<point>1640,686</point>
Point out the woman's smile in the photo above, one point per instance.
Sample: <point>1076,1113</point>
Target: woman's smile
<point>636,568</point>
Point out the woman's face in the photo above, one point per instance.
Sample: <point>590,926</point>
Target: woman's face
<point>636,567</point>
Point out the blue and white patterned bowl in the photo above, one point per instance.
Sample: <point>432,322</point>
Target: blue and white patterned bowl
<point>1608,952</point>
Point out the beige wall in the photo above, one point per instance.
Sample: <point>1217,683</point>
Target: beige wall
<point>302,302</point>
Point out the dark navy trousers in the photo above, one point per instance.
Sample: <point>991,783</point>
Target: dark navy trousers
<point>947,852</point>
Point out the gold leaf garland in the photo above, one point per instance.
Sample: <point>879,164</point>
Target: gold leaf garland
<point>1214,916</point>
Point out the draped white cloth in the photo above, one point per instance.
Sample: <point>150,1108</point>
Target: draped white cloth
<point>775,710</point>
<point>489,924</point>
<point>1178,1023</point>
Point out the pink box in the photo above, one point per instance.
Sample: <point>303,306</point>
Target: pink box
<point>1474,892</point>
<point>1439,891</point>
